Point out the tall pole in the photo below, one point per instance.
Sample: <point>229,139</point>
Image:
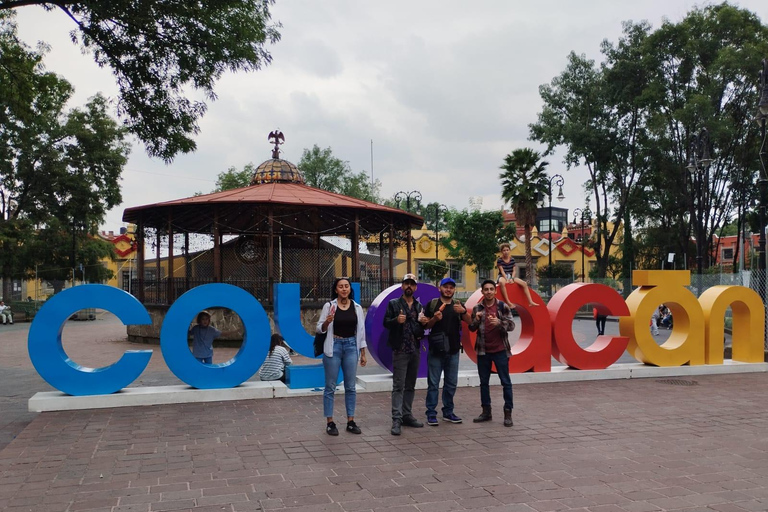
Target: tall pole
<point>414,195</point>
<point>763,182</point>
<point>698,165</point>
<point>582,214</point>
<point>559,181</point>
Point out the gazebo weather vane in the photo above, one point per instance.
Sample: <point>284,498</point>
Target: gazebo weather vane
<point>276,137</point>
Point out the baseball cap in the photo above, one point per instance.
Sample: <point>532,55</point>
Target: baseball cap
<point>410,277</point>
<point>447,280</point>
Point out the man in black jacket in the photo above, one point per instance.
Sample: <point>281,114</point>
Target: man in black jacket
<point>445,315</point>
<point>406,328</point>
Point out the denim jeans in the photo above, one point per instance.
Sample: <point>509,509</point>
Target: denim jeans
<point>484,371</point>
<point>344,357</point>
<point>448,365</point>
<point>405,369</point>
<point>205,360</point>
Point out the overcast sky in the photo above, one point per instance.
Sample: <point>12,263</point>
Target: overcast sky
<point>445,90</point>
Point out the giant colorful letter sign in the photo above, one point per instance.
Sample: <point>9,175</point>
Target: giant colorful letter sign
<point>748,324</point>
<point>53,364</point>
<point>606,350</point>
<point>532,351</point>
<point>375,333</point>
<point>247,361</point>
<point>288,318</point>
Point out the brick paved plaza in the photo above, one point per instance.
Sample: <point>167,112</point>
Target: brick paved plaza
<point>690,444</point>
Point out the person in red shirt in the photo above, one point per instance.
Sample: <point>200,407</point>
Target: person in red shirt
<point>492,319</point>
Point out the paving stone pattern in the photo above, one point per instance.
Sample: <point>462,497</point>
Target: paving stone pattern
<point>603,446</point>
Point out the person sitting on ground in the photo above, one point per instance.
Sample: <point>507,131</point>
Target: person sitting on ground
<point>508,274</point>
<point>277,359</point>
<point>5,313</point>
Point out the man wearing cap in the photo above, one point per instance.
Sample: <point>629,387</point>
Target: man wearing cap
<point>405,322</point>
<point>445,315</point>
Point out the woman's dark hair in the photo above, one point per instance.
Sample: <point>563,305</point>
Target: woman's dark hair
<point>335,295</point>
<point>274,342</point>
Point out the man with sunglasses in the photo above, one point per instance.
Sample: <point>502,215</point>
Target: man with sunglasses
<point>405,323</point>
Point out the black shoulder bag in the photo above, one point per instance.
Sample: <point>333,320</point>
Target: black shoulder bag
<point>320,341</point>
<point>439,344</point>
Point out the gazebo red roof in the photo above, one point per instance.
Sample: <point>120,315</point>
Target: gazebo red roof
<point>239,208</point>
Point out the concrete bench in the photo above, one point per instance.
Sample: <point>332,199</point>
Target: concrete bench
<point>306,376</point>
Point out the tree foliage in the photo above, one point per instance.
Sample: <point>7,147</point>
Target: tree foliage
<point>523,182</point>
<point>474,237</point>
<point>232,178</point>
<point>631,120</point>
<point>321,169</point>
<point>434,270</point>
<point>159,50</point>
<point>59,169</point>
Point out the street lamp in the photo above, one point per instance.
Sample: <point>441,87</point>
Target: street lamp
<point>559,181</point>
<point>413,195</point>
<point>438,209</point>
<point>585,214</point>
<point>762,114</point>
<point>698,165</point>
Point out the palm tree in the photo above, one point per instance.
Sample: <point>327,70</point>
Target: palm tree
<point>524,183</point>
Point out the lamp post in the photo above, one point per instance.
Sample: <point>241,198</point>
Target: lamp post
<point>762,114</point>
<point>559,181</point>
<point>413,195</point>
<point>438,209</point>
<point>582,214</point>
<point>698,165</point>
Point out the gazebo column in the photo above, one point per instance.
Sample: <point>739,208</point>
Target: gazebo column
<point>271,255</point>
<point>169,295</point>
<point>391,253</point>
<point>187,269</point>
<point>381,261</point>
<point>140,259</point>
<point>216,248</point>
<point>157,267</point>
<point>355,274</point>
<point>318,267</point>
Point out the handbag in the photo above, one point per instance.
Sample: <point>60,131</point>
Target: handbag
<point>438,343</point>
<point>319,342</point>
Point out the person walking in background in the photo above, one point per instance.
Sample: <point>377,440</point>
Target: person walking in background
<point>277,360</point>
<point>508,274</point>
<point>599,321</point>
<point>343,321</point>
<point>445,315</point>
<point>405,322</point>
<point>203,335</point>
<point>492,319</point>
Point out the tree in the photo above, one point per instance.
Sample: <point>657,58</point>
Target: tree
<point>434,270</point>
<point>232,178</point>
<point>474,237</point>
<point>321,169</point>
<point>57,167</point>
<point>159,49</point>
<point>523,182</point>
<point>630,121</point>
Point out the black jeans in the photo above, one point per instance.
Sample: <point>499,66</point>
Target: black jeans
<point>405,369</point>
<point>600,323</point>
<point>501,361</point>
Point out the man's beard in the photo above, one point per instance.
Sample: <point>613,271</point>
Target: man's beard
<point>408,292</point>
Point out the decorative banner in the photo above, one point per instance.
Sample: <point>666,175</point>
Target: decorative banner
<point>375,333</point>
<point>685,344</point>
<point>532,351</point>
<point>53,364</point>
<point>563,307</point>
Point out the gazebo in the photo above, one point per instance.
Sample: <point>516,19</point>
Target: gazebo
<point>274,230</point>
